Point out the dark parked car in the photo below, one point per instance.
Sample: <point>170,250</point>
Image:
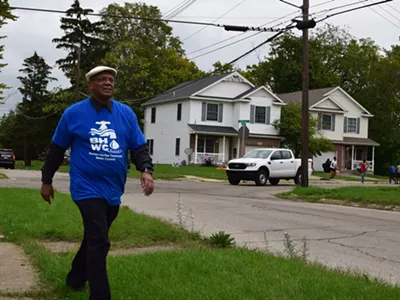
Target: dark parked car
<point>7,158</point>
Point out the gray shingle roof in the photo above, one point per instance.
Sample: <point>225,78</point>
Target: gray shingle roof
<point>186,89</point>
<point>247,92</point>
<point>314,96</point>
<point>213,129</point>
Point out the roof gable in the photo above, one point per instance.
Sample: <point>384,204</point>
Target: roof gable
<point>314,96</point>
<point>364,110</point>
<point>258,92</point>
<point>328,103</point>
<point>186,89</point>
<point>229,86</point>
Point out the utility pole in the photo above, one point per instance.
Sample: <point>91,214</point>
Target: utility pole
<point>304,25</point>
<point>305,106</point>
<point>25,104</point>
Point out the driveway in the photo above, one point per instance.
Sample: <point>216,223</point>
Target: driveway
<point>338,236</point>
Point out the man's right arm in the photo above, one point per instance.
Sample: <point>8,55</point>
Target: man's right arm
<point>54,158</point>
<point>60,143</point>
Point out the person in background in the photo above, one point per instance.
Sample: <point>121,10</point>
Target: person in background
<point>398,171</point>
<point>101,132</point>
<point>333,168</point>
<point>363,170</point>
<point>392,174</point>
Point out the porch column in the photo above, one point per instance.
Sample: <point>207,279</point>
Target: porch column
<point>223,149</point>
<point>352,158</point>
<point>373,158</point>
<point>238,148</point>
<point>195,149</point>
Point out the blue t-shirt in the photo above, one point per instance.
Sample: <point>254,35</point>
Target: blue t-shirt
<point>99,141</point>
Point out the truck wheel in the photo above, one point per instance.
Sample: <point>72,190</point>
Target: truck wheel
<point>234,181</point>
<point>274,181</point>
<point>298,178</point>
<point>261,178</point>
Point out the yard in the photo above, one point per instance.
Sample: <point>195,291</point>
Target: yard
<point>361,195</point>
<point>194,271</point>
<point>166,172</point>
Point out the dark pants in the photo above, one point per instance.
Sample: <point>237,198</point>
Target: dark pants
<point>392,176</point>
<point>89,263</point>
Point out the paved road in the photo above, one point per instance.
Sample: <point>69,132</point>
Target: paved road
<point>363,239</point>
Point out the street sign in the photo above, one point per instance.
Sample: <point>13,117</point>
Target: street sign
<point>244,121</point>
<point>244,132</point>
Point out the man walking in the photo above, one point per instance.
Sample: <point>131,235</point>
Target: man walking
<point>100,132</point>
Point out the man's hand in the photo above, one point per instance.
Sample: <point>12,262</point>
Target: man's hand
<point>47,192</point>
<point>147,183</point>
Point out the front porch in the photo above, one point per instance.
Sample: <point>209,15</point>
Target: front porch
<point>352,151</point>
<point>221,144</point>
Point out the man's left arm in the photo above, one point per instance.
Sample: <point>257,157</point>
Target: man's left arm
<point>141,157</point>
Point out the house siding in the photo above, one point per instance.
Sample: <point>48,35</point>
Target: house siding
<point>226,89</point>
<point>166,130</point>
<point>353,110</point>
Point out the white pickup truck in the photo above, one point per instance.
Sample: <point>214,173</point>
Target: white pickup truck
<point>266,164</point>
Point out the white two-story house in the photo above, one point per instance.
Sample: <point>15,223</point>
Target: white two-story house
<point>343,121</point>
<point>202,115</point>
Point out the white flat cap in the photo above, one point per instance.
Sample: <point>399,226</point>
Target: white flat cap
<point>98,70</point>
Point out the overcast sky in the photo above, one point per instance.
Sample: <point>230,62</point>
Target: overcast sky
<point>34,31</point>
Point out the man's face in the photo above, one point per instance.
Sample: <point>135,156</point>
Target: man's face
<point>102,84</point>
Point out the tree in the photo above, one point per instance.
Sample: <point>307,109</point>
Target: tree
<point>336,58</point>
<point>83,42</point>
<point>148,57</point>
<point>5,14</point>
<point>34,87</point>
<point>289,127</point>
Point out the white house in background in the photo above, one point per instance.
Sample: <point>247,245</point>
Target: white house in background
<point>345,122</point>
<point>203,115</point>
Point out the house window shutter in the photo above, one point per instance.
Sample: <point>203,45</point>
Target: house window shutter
<point>333,122</point>
<point>203,111</point>
<point>358,125</point>
<point>251,114</point>
<point>319,121</point>
<point>220,112</point>
<point>268,116</point>
<point>345,125</point>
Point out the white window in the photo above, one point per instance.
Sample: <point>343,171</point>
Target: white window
<point>352,125</point>
<point>326,121</point>
<point>261,113</point>
<point>212,112</point>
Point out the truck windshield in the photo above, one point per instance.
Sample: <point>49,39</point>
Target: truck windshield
<point>258,154</point>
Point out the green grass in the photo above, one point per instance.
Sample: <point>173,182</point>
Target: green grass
<point>3,176</point>
<point>36,165</point>
<point>197,272</point>
<point>24,215</point>
<point>166,172</point>
<point>343,177</point>
<point>363,195</point>
<point>169,172</point>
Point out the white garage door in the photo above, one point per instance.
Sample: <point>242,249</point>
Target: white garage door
<point>319,160</point>
<point>249,148</point>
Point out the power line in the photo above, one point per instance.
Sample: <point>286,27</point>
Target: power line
<point>384,9</point>
<point>174,9</point>
<point>215,20</point>
<point>241,34</point>
<point>179,8</point>
<point>226,27</point>
<point>394,24</point>
<point>243,39</point>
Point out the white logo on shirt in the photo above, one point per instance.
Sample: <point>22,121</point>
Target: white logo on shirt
<point>105,138</point>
